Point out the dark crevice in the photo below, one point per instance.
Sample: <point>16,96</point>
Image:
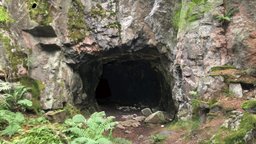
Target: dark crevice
<point>34,5</point>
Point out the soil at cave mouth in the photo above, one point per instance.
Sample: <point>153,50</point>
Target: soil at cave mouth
<point>137,134</point>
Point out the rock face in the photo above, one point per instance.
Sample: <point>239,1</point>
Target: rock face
<point>68,48</point>
<point>233,122</point>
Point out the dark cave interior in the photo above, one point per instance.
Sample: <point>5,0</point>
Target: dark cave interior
<point>128,83</point>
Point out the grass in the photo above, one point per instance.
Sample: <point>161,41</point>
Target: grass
<point>188,125</point>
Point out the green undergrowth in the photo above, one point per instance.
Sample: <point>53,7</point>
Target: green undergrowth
<point>97,129</point>
<point>188,125</point>
<point>39,11</point>
<point>77,26</point>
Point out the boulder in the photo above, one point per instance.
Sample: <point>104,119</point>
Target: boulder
<point>236,89</point>
<point>158,117</point>
<point>56,116</point>
<point>146,111</point>
<point>250,137</point>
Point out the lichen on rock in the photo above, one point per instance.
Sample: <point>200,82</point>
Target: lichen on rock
<point>40,11</point>
<point>77,27</point>
<point>15,56</point>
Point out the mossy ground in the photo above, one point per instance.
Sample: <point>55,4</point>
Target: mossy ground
<point>39,11</point>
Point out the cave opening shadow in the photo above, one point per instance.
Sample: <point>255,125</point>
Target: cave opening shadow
<point>129,83</point>
<point>103,92</point>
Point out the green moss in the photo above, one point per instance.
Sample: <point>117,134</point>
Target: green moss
<point>116,25</point>
<point>188,12</point>
<point>71,110</point>
<point>224,67</point>
<point>36,87</point>
<point>99,11</point>
<point>14,53</point>
<point>77,27</point>
<point>40,12</point>
<point>249,104</point>
<point>226,136</point>
<point>5,18</point>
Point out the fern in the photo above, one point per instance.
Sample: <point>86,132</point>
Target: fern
<point>4,86</point>
<point>90,131</point>
<point>14,121</point>
<point>39,135</point>
<point>13,96</point>
<point>25,103</point>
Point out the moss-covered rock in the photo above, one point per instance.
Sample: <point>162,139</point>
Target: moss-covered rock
<point>5,18</point>
<point>224,67</point>
<point>39,11</point>
<point>14,54</point>
<point>77,27</point>
<point>248,122</point>
<point>250,104</point>
<point>36,87</point>
<point>71,110</point>
<point>233,75</point>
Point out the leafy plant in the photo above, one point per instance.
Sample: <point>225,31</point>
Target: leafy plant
<point>157,138</point>
<point>39,135</point>
<point>227,16</point>
<point>90,131</point>
<point>10,122</point>
<point>13,96</point>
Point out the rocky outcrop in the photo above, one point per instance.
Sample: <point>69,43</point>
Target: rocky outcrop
<point>68,43</point>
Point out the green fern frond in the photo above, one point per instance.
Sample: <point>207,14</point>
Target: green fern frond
<point>4,86</point>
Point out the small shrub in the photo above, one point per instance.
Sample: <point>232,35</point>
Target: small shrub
<point>227,16</point>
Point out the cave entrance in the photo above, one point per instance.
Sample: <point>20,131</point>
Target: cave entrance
<point>129,83</point>
<point>114,78</point>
